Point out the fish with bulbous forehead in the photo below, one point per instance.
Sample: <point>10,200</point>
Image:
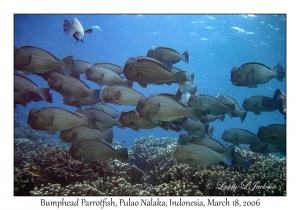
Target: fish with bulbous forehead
<point>104,76</point>
<point>95,151</point>
<point>53,119</point>
<point>75,29</point>
<point>145,71</point>
<point>83,133</point>
<point>38,61</point>
<point>197,154</point>
<point>274,133</point>
<point>258,104</point>
<point>253,74</point>
<point>238,136</point>
<point>168,56</point>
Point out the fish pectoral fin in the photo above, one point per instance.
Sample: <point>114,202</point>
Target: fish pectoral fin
<point>74,136</point>
<point>142,84</point>
<point>101,76</point>
<point>252,85</point>
<point>48,120</point>
<point>51,132</point>
<point>88,31</point>
<point>265,147</point>
<point>67,28</point>
<point>154,109</point>
<point>26,60</point>
<point>117,95</point>
<point>251,75</point>
<point>235,136</point>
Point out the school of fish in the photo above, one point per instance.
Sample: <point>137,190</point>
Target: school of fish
<point>89,130</point>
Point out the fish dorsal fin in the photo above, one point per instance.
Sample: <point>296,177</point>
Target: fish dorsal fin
<point>257,64</point>
<point>167,48</point>
<point>24,47</point>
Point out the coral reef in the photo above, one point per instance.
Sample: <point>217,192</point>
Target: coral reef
<point>154,155</point>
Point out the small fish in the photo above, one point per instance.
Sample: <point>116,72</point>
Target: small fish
<point>38,61</point>
<point>71,86</point>
<point>211,105</point>
<point>83,133</point>
<point>95,151</point>
<point>238,112</point>
<point>165,109</point>
<point>258,104</point>
<point>104,76</point>
<point>252,74</point>
<point>186,90</point>
<point>132,120</point>
<point>239,162</point>
<point>274,133</point>
<point>120,95</point>
<point>196,154</point>
<point>145,71</point>
<point>75,29</point>
<point>238,136</point>
<point>53,119</point>
<point>168,56</point>
<point>280,98</point>
<point>21,83</point>
<point>107,109</point>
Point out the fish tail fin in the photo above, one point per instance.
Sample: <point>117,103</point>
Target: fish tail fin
<point>222,117</point>
<point>230,110</point>
<point>67,65</point>
<point>227,156</point>
<point>44,93</point>
<point>243,116</point>
<point>185,57</point>
<point>279,72</point>
<point>95,95</point>
<point>248,164</point>
<point>210,131</point>
<point>129,83</point>
<point>67,28</point>
<point>109,135</point>
<point>24,99</point>
<point>90,120</point>
<point>190,78</point>
<point>180,77</point>
<point>122,154</point>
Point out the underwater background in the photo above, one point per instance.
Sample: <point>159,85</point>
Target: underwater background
<point>215,43</point>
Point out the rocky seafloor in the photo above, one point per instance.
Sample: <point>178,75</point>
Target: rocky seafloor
<point>43,166</point>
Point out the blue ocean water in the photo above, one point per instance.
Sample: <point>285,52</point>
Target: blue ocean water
<point>216,44</point>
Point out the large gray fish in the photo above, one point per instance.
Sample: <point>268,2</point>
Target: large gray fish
<point>132,120</point>
<point>252,74</point>
<point>104,76</point>
<point>212,143</point>
<point>265,148</point>
<point>211,105</point>
<point>95,151</point>
<point>113,67</point>
<point>162,108</point>
<point>75,29</point>
<point>38,61</point>
<point>83,133</point>
<point>120,95</point>
<point>107,109</point>
<point>227,100</point>
<point>238,136</point>
<point>145,71</point>
<point>53,119</point>
<point>101,116</point>
<point>258,104</point>
<point>78,102</point>
<point>168,56</point>
<point>71,86</point>
<point>21,83</point>
<point>196,154</point>
<point>274,133</point>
